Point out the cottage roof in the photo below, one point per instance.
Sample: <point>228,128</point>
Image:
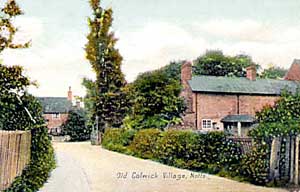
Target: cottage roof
<point>55,104</point>
<point>240,85</point>
<point>238,118</point>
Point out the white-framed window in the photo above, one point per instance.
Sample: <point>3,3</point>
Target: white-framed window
<point>55,116</point>
<point>206,124</point>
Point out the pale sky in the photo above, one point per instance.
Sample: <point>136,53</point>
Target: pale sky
<point>151,34</point>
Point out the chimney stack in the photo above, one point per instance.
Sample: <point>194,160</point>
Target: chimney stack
<point>294,72</point>
<point>186,92</point>
<point>186,72</point>
<point>70,96</point>
<point>251,72</point>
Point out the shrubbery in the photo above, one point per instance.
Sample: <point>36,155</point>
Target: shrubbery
<point>118,139</point>
<point>144,144</point>
<point>254,166</point>
<point>75,126</point>
<point>210,152</point>
<point>42,155</point>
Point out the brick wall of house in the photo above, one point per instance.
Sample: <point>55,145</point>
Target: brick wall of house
<point>218,106</point>
<point>215,107</point>
<point>251,104</point>
<point>55,122</point>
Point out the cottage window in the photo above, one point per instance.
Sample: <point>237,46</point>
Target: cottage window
<point>56,116</point>
<point>206,124</point>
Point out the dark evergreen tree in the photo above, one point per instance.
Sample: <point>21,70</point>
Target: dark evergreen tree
<point>110,98</point>
<point>75,126</point>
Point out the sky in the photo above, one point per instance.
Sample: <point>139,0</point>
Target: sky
<point>151,34</point>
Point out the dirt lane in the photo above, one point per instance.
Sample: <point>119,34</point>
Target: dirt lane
<point>86,168</point>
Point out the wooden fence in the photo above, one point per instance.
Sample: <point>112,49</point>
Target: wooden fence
<point>246,143</point>
<point>14,155</point>
<point>284,159</point>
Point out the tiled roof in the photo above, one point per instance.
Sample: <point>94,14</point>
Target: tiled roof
<point>55,104</point>
<point>241,85</point>
<point>238,118</point>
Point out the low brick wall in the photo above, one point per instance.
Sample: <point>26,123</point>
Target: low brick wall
<point>14,155</point>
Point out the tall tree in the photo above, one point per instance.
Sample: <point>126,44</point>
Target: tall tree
<point>155,100</point>
<point>105,59</point>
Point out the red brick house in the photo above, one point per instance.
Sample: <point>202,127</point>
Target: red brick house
<point>55,111</point>
<point>230,103</point>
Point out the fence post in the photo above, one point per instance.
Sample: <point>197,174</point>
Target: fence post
<point>275,158</point>
<point>296,178</point>
<point>287,156</point>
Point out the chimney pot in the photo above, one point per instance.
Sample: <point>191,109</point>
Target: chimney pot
<point>70,96</point>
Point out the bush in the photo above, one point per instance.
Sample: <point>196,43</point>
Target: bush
<point>144,144</point>
<point>210,152</point>
<point>179,148</point>
<point>116,139</point>
<point>42,154</point>
<point>254,166</point>
<point>220,151</point>
<point>75,126</point>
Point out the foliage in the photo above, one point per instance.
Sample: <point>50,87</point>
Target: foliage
<point>7,29</point>
<point>89,100</point>
<point>109,103</point>
<point>254,166</point>
<point>217,64</point>
<point>118,139</point>
<point>144,143</point>
<point>180,148</point>
<point>282,119</point>
<point>273,72</point>
<point>210,152</point>
<point>75,126</point>
<point>42,154</point>
<point>156,101</point>
<point>285,109</point>
<point>173,70</point>
<point>13,116</point>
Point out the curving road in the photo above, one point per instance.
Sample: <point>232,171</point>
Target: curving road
<point>85,168</point>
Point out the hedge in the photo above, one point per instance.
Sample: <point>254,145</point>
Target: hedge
<point>118,139</point>
<point>144,143</point>
<point>210,152</point>
<point>42,154</point>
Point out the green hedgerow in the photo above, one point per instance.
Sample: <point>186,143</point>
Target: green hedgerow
<point>144,144</point>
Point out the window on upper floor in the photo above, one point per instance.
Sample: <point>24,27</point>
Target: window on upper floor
<point>206,124</point>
